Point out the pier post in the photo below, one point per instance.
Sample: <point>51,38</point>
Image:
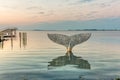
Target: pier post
<point>24,39</point>
<point>1,42</point>
<point>20,38</point>
<point>11,39</point>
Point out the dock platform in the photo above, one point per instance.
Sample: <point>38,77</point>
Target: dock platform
<point>7,33</point>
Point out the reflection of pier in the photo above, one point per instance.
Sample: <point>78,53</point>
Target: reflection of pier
<point>69,60</point>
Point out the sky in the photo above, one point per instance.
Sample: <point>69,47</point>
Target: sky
<point>60,14</point>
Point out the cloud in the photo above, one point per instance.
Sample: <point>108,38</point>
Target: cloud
<point>91,14</point>
<point>33,7</point>
<point>36,10</point>
<point>80,2</point>
<point>41,12</point>
<point>9,7</point>
<point>83,1</point>
<point>50,13</point>
<point>104,5</point>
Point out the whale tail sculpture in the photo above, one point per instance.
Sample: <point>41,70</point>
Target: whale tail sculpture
<point>69,41</point>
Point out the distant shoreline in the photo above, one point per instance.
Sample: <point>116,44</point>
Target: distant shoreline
<point>73,30</point>
<point>81,30</point>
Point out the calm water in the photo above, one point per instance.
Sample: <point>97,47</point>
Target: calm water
<point>102,51</point>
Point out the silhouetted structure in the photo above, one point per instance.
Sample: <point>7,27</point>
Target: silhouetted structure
<point>8,32</point>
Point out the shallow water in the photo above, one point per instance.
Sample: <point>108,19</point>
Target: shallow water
<point>31,60</point>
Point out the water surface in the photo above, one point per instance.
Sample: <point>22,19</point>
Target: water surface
<point>30,61</point>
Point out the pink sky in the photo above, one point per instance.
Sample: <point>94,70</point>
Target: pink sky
<point>33,11</point>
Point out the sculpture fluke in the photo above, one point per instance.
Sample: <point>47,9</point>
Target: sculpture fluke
<point>69,41</point>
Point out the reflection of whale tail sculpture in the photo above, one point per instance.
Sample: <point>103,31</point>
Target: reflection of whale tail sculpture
<point>69,41</point>
<point>72,60</point>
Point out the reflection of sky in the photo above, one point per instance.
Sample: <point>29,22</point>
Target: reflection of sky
<point>54,11</point>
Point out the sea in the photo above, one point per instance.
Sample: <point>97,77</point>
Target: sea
<point>36,57</point>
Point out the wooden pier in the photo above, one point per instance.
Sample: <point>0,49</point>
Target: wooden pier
<point>10,34</point>
<point>7,33</point>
